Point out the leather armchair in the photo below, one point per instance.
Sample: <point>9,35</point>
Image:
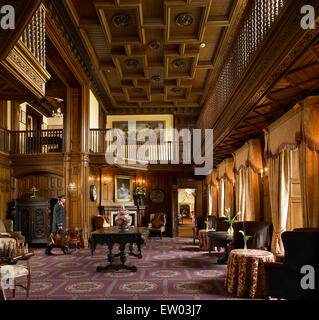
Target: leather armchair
<point>160,228</point>
<point>218,224</point>
<point>283,279</point>
<point>6,230</point>
<point>260,231</point>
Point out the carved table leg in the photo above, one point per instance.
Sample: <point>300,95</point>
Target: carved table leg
<point>123,258</point>
<point>110,258</point>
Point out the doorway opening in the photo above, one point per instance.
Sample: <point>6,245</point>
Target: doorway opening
<point>186,212</point>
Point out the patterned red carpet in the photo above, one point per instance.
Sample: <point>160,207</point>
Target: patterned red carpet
<point>170,269</point>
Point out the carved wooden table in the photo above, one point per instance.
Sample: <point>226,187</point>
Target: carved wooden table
<point>111,236</point>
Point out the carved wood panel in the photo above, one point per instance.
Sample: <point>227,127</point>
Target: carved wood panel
<point>49,186</point>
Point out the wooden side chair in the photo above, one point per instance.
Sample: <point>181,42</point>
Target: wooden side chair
<point>157,223</point>
<point>10,268</point>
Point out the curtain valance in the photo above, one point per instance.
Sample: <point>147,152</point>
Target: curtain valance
<point>209,179</point>
<point>214,177</point>
<point>249,155</point>
<point>225,170</point>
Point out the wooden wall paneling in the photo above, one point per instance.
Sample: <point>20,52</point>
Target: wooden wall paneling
<point>3,114</point>
<point>49,186</point>
<point>5,184</point>
<point>94,179</point>
<point>295,214</point>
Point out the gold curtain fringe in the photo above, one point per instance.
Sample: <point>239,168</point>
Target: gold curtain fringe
<point>300,137</point>
<point>247,165</point>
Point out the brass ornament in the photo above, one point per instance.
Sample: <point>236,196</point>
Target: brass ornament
<point>184,19</point>
<point>131,63</point>
<point>121,20</point>
<point>178,63</point>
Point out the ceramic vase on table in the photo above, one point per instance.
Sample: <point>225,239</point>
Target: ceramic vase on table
<point>123,220</point>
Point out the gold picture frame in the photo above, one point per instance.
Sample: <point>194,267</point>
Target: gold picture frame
<point>123,189</point>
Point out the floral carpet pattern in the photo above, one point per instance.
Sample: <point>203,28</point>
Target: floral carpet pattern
<point>171,268</point>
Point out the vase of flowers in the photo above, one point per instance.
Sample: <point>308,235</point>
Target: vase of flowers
<point>123,220</point>
<point>140,194</point>
<point>246,238</point>
<point>206,222</point>
<point>231,220</point>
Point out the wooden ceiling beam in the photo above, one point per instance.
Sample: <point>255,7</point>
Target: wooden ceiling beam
<point>89,24</point>
<point>218,21</point>
<point>315,54</point>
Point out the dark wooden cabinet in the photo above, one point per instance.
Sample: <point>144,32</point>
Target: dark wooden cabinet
<point>33,218</point>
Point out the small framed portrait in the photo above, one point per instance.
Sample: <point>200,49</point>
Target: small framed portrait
<point>93,193</point>
<point>157,196</point>
<point>123,189</point>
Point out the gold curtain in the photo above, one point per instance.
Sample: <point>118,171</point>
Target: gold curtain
<point>240,194</point>
<point>225,186</point>
<point>309,162</point>
<point>247,165</point>
<point>214,192</point>
<point>279,189</point>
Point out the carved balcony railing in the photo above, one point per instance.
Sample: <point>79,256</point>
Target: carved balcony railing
<point>165,152</point>
<point>259,18</point>
<point>37,142</point>
<point>34,36</point>
<point>4,140</point>
<point>26,62</point>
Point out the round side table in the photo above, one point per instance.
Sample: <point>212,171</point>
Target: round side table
<point>246,272</point>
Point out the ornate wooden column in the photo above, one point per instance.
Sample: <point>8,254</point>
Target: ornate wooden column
<point>174,207</point>
<point>76,160</point>
<point>85,169</point>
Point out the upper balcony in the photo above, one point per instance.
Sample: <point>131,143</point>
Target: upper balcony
<point>31,142</point>
<point>25,65</point>
<point>37,142</point>
<point>159,153</point>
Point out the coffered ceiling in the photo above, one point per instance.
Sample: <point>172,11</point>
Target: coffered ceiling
<point>152,56</point>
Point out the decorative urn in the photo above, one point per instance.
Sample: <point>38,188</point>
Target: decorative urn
<point>123,220</point>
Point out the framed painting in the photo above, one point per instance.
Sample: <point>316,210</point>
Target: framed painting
<point>140,125</point>
<point>123,189</point>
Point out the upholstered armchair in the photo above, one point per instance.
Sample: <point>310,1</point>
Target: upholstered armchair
<point>6,231</point>
<point>283,280</point>
<point>260,232</point>
<point>157,223</point>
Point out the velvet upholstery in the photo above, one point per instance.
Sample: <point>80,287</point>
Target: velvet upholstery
<point>260,231</point>
<point>283,279</point>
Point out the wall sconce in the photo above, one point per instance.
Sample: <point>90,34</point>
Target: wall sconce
<point>107,180</point>
<point>72,188</point>
<point>140,182</point>
<point>264,172</point>
<point>234,181</point>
